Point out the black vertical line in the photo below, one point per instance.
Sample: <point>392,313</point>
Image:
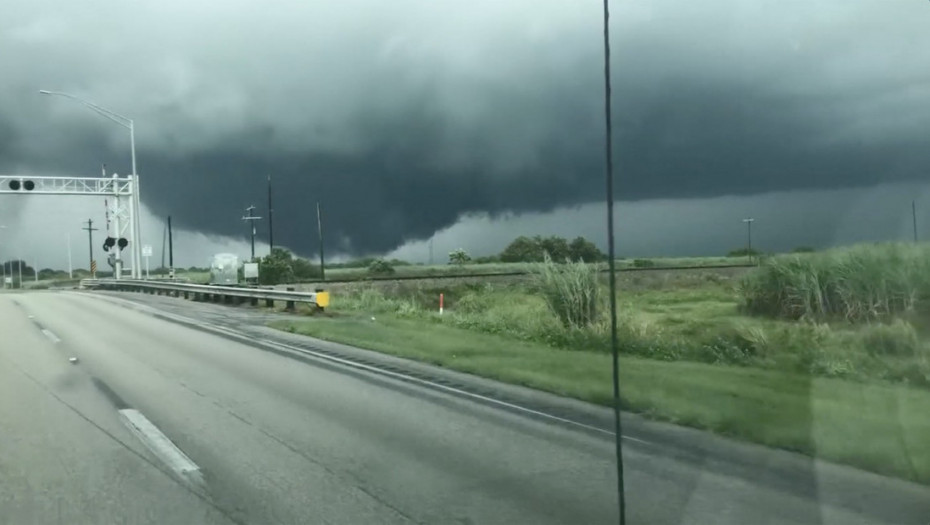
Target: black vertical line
<point>612,279</point>
<point>270,218</point>
<point>164,245</point>
<point>914,216</point>
<point>170,246</point>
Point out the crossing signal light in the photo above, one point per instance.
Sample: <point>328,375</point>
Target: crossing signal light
<point>17,185</point>
<point>122,243</point>
<point>108,243</point>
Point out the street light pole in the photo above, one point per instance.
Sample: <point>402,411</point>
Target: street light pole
<point>135,204</point>
<point>749,222</point>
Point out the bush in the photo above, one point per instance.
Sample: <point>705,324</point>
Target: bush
<point>858,284</point>
<point>304,270</point>
<point>643,263</point>
<point>380,267</point>
<point>276,267</point>
<point>898,339</point>
<point>571,291</point>
<point>459,257</point>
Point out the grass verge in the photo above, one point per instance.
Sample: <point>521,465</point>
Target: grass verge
<point>881,428</point>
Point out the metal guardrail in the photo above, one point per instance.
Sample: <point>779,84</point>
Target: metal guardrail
<point>207,293</point>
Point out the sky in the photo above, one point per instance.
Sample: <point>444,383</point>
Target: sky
<point>470,123</point>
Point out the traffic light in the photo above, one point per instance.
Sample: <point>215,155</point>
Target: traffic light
<point>17,185</point>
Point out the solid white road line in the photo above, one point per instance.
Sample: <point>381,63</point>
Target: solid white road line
<point>159,444</point>
<point>52,337</point>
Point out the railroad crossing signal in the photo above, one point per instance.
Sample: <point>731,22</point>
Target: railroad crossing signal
<point>123,191</point>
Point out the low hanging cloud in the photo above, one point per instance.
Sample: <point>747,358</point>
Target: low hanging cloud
<point>402,117</point>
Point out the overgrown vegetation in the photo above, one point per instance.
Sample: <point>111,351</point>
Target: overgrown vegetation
<point>559,249</point>
<point>856,284</point>
<point>281,266</point>
<point>685,316</point>
<point>571,291</point>
<point>380,267</point>
<point>459,257</point>
<point>755,357</point>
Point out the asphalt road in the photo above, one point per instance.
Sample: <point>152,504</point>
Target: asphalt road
<point>257,437</point>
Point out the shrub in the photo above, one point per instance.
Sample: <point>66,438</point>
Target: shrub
<point>459,256</point>
<point>380,267</point>
<point>858,284</point>
<point>571,291</point>
<point>643,263</point>
<point>898,339</point>
<point>275,268</point>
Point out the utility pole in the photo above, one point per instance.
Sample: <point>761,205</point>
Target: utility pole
<point>914,216</point>
<point>319,225</point>
<point>749,222</point>
<point>35,269</point>
<point>170,251</point>
<point>431,251</point>
<point>270,219</point>
<point>251,220</point>
<point>90,246</point>
<point>164,245</point>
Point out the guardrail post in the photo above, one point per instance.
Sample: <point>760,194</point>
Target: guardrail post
<point>227,299</point>
<point>186,295</point>
<point>289,306</point>
<point>269,303</point>
<point>253,301</point>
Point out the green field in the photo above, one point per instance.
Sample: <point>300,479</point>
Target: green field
<point>420,270</point>
<point>853,390</point>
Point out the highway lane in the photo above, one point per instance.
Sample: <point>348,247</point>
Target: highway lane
<point>281,441</point>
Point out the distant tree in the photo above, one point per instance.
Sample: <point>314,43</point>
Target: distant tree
<point>556,247</point>
<point>488,259</point>
<point>276,267</point>
<point>380,267</point>
<point>459,256</point>
<point>523,249</point>
<point>304,270</point>
<point>585,250</point>
<point>804,249</point>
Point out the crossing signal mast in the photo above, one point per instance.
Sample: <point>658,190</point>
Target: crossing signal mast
<point>122,207</point>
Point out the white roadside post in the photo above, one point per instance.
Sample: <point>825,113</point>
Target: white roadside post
<point>147,253</point>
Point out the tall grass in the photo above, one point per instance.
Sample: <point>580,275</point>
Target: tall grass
<point>858,284</point>
<point>570,290</point>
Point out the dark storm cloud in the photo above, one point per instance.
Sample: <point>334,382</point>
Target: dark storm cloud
<point>402,121</point>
